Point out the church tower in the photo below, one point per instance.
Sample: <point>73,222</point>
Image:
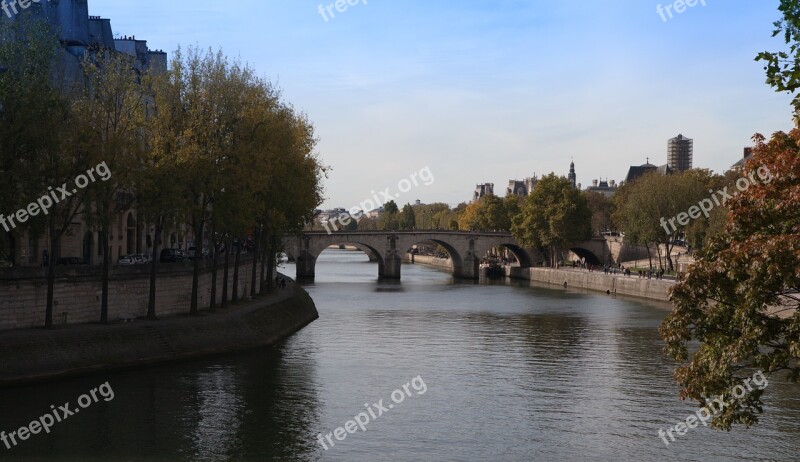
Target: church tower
<point>572,177</point>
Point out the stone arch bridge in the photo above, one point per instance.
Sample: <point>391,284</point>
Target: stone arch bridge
<point>387,248</point>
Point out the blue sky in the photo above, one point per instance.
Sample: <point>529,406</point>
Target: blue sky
<point>486,91</point>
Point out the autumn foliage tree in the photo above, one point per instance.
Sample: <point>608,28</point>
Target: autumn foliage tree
<point>740,300</point>
<point>738,308</point>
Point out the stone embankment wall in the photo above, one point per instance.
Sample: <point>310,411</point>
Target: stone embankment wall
<point>652,289</point>
<point>30,355</point>
<point>616,284</point>
<point>23,292</point>
<point>441,263</point>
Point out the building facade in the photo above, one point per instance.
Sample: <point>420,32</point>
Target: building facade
<point>604,187</point>
<point>521,188</point>
<point>481,190</point>
<point>80,36</point>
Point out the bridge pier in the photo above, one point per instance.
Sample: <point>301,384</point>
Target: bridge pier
<point>306,264</point>
<point>469,268</point>
<point>391,266</point>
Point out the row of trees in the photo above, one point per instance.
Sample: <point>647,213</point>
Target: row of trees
<point>206,144</point>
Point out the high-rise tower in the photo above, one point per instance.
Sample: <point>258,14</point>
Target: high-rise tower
<point>679,153</point>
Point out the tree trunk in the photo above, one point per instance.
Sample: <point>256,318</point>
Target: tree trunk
<point>235,288</point>
<point>658,250</point>
<point>105,271</point>
<point>151,300</point>
<point>225,273</point>
<point>649,255</point>
<point>198,254</point>
<point>271,259</point>
<point>256,251</point>
<point>265,252</point>
<point>51,273</point>
<point>214,262</point>
<point>670,266</point>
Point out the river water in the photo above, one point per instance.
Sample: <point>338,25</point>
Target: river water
<point>492,371</point>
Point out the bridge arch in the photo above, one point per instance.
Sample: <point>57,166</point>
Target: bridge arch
<point>455,256</point>
<point>524,258</point>
<point>590,257</point>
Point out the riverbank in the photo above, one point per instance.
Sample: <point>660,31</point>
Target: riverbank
<point>32,355</point>
<point>634,286</point>
<point>441,263</point>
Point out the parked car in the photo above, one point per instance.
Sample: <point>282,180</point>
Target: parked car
<point>68,261</point>
<point>190,254</point>
<point>140,259</point>
<point>5,263</point>
<point>126,260</point>
<point>172,256</point>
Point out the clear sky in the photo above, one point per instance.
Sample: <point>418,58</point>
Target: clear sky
<point>490,90</point>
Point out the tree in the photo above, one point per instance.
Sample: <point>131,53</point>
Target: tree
<point>602,209</point>
<point>111,110</point>
<point>431,216</point>
<point>155,175</point>
<point>554,215</point>
<point>513,207</point>
<point>740,300</point>
<point>738,306</point>
<point>41,149</point>
<point>406,218</point>
<point>368,224</point>
<point>487,213</point>
<point>648,209</point>
<point>783,67</point>
<point>389,220</point>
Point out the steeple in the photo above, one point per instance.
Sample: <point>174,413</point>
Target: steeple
<point>573,178</point>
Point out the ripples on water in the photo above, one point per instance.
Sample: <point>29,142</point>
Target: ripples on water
<point>513,373</point>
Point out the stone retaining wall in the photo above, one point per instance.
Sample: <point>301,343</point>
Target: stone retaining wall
<point>23,292</point>
<point>645,288</point>
<point>37,354</point>
<point>441,263</point>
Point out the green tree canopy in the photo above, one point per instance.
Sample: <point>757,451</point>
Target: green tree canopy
<point>554,215</point>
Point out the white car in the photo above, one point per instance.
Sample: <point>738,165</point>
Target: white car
<point>126,260</point>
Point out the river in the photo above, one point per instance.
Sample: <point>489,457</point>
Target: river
<point>495,371</point>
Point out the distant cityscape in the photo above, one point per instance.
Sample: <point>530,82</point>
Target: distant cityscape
<point>680,152</point>
<point>679,158</point>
